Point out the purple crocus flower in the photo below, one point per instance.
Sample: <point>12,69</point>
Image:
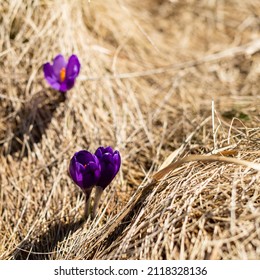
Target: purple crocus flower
<point>85,170</point>
<point>62,75</point>
<point>110,162</point>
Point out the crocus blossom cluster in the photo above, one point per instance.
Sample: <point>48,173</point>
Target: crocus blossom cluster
<point>99,169</point>
<point>61,75</point>
<point>87,169</point>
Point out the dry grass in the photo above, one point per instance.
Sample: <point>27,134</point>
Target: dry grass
<point>150,70</point>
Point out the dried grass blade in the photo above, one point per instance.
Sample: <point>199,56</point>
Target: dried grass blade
<point>157,176</point>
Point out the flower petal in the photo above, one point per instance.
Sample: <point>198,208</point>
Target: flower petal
<point>98,152</point>
<point>58,63</point>
<point>108,150</point>
<point>89,180</point>
<point>69,83</point>
<point>73,67</point>
<point>117,161</point>
<point>108,158</point>
<point>84,157</point>
<point>91,174</point>
<point>63,87</point>
<point>91,167</point>
<point>76,172</point>
<point>50,77</point>
<point>48,70</point>
<point>107,175</point>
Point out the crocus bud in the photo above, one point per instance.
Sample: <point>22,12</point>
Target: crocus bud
<point>61,75</point>
<point>85,169</point>
<point>110,162</point>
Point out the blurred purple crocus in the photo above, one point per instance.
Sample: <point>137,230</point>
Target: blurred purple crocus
<point>110,162</point>
<point>61,75</point>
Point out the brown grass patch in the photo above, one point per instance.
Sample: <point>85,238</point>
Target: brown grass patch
<point>150,70</point>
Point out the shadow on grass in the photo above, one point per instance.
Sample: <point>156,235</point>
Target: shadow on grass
<point>31,122</point>
<point>116,234</point>
<point>43,247</point>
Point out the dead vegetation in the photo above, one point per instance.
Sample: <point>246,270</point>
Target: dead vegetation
<point>161,81</point>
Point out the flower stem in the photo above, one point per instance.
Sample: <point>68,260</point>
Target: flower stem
<point>98,194</point>
<point>87,203</point>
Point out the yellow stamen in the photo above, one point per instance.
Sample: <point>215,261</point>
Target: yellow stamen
<point>62,74</point>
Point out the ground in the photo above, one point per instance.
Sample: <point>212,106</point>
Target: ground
<point>161,81</point>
